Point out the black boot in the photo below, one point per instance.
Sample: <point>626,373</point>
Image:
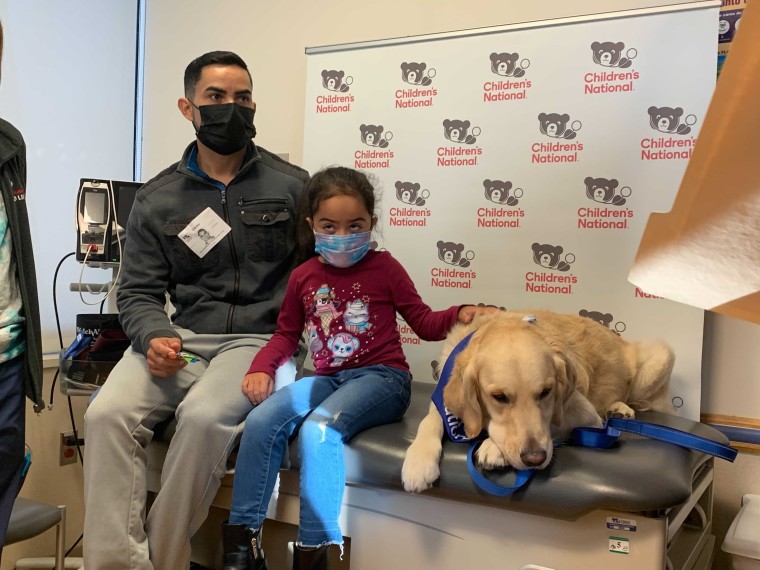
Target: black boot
<point>310,558</point>
<point>242,548</point>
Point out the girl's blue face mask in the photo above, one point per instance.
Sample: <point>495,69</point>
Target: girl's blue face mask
<point>342,251</point>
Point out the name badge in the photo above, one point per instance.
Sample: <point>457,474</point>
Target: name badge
<point>204,232</point>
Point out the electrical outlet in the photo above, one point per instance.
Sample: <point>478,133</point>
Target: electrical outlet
<point>68,453</point>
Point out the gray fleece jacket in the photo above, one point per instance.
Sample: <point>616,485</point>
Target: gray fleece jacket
<point>238,286</point>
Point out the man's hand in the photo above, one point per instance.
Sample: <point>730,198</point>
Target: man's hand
<point>468,312</point>
<point>258,386</point>
<point>163,358</point>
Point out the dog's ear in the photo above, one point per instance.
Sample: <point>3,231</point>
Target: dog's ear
<point>565,384</point>
<point>461,393</point>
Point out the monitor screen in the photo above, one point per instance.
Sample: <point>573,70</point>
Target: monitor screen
<point>124,193</point>
<point>95,211</point>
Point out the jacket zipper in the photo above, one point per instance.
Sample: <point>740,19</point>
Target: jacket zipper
<point>236,266</point>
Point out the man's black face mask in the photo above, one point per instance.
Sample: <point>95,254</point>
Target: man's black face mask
<point>225,128</point>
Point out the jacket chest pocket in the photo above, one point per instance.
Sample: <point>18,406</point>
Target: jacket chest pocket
<point>268,228</point>
<point>182,258</point>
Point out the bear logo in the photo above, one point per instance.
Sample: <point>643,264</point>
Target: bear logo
<point>548,256</point>
<point>414,73</point>
<point>500,192</point>
<point>505,64</point>
<point>456,131</point>
<point>451,253</point>
<point>410,193</point>
<point>610,54</point>
<point>371,135</point>
<point>555,125</point>
<point>332,80</point>
<point>605,191</point>
<point>668,120</point>
<point>604,319</point>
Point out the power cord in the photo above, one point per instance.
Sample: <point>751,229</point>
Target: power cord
<point>77,441</point>
<point>57,322</point>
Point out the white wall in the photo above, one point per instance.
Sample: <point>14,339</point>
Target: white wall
<point>68,85</point>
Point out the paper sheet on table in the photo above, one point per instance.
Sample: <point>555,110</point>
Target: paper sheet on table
<point>706,251</point>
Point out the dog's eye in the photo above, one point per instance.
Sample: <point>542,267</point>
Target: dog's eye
<point>544,393</point>
<point>501,398</point>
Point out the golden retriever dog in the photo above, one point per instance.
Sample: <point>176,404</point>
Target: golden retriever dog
<point>528,380</point>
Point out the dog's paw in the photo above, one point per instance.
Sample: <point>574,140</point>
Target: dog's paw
<point>489,456</point>
<point>620,410</point>
<point>421,467</point>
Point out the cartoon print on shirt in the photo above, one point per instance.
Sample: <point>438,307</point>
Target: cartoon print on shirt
<point>342,346</point>
<point>356,316</point>
<point>315,343</point>
<point>325,308</point>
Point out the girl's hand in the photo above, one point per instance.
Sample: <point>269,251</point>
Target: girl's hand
<point>258,386</point>
<point>469,312</point>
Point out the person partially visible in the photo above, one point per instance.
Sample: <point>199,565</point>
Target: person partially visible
<point>226,293</point>
<point>346,297</point>
<point>20,337</point>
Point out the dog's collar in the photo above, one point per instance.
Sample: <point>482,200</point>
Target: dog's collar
<point>454,425</point>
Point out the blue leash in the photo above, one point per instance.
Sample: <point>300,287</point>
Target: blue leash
<point>602,438</point>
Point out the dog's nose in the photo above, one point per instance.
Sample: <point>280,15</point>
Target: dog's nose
<point>533,457</point>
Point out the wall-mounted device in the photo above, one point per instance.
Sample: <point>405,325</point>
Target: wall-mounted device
<point>103,208</point>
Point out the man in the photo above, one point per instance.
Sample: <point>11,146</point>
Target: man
<point>226,297</point>
<point>20,343</point>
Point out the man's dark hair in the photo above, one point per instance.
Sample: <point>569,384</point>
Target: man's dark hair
<point>195,68</point>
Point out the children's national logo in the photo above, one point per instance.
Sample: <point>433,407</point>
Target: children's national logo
<point>414,73</point>
<point>501,193</point>
<point>668,120</point>
<point>557,126</point>
<point>336,82</point>
<point>453,254</point>
<point>505,65</point>
<point>605,191</point>
<point>550,257</point>
<point>610,54</point>
<point>412,213</point>
<point>411,193</point>
<point>604,319</point>
<point>459,132</point>
<point>420,94</point>
<point>673,142</point>
<point>333,80</point>
<point>373,136</point>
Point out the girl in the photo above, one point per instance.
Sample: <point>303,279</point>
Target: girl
<point>346,299</point>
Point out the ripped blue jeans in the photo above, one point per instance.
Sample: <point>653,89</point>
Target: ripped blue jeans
<point>326,411</point>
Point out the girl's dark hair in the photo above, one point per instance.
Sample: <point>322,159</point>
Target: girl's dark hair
<point>327,183</point>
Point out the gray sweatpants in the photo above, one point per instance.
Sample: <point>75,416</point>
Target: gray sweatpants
<point>119,422</point>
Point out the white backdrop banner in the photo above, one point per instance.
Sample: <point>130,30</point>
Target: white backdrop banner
<point>517,166</point>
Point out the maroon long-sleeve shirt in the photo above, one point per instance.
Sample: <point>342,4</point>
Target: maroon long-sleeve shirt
<point>349,316</point>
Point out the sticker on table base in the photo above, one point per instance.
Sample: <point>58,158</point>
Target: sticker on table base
<point>619,545</point>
